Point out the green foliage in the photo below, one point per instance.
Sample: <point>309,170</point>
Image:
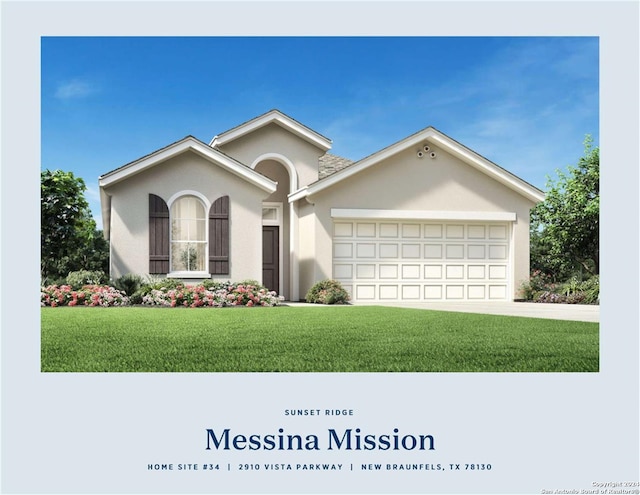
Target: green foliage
<point>565,227</point>
<point>154,283</point>
<point>541,289</point>
<point>327,292</point>
<point>538,282</point>
<point>128,283</point>
<point>69,240</point>
<point>211,284</point>
<point>85,277</point>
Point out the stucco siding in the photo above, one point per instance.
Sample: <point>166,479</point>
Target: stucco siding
<point>273,139</point>
<point>306,247</point>
<point>405,182</point>
<point>186,173</point>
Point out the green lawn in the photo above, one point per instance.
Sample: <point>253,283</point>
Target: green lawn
<point>318,339</point>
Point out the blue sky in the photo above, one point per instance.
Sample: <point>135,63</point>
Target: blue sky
<point>525,103</point>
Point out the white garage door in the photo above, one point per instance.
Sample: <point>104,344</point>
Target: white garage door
<point>422,261</point>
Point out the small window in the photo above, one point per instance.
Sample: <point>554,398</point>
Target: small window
<point>270,213</point>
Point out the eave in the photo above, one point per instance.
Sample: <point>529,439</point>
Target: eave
<point>187,144</point>
<point>273,117</point>
<point>434,137</point>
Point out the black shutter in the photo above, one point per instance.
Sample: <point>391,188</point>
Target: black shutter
<point>219,236</point>
<point>158,235</point>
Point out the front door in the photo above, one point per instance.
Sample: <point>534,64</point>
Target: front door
<point>270,258</point>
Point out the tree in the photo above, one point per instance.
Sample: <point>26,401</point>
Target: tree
<point>69,240</point>
<point>565,226</point>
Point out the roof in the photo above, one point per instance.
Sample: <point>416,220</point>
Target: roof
<point>435,137</point>
<point>188,143</point>
<point>273,117</point>
<point>329,164</point>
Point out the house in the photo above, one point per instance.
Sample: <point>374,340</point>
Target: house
<point>424,219</point>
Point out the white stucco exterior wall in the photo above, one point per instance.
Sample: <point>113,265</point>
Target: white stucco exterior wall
<point>186,172</point>
<point>405,182</point>
<point>273,139</point>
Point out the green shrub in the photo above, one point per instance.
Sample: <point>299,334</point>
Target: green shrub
<point>128,283</point>
<point>211,284</point>
<point>327,292</point>
<point>539,288</point>
<point>85,277</point>
<point>154,283</point>
<point>537,284</point>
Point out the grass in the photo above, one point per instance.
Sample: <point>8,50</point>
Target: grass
<point>310,339</point>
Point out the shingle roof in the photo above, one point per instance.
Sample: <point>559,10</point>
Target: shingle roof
<point>329,164</point>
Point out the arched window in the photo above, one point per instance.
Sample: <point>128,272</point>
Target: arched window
<point>189,251</point>
<point>178,243</point>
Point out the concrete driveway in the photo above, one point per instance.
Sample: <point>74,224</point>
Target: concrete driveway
<point>575,312</point>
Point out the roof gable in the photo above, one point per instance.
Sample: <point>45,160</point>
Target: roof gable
<point>273,117</point>
<point>437,138</point>
<point>189,143</point>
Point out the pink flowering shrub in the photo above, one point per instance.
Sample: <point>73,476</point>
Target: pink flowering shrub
<point>212,294</point>
<point>89,295</point>
<point>216,295</point>
<point>327,292</point>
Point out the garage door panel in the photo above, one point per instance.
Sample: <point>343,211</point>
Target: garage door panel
<point>433,292</point>
<point>476,231</point>
<point>365,292</point>
<point>410,250</point>
<point>497,232</point>
<point>342,271</point>
<point>454,271</point>
<point>410,230</point>
<point>342,250</point>
<point>476,291</point>
<point>388,230</point>
<point>365,229</point>
<point>365,250</point>
<point>410,292</point>
<point>433,271</point>
<point>476,251</point>
<point>389,292</point>
<point>389,250</point>
<point>454,292</point>
<point>433,231</point>
<point>476,272</point>
<point>433,251</point>
<point>497,272</point>
<point>497,252</point>
<point>498,292</point>
<point>387,260</point>
<point>455,231</point>
<point>411,271</point>
<point>388,271</point>
<point>365,271</point>
<point>343,229</point>
<point>455,251</point>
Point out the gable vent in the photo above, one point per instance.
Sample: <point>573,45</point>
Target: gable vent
<point>426,151</point>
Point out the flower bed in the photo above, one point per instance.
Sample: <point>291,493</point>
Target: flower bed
<point>540,288</point>
<point>209,294</point>
<point>216,295</point>
<point>88,295</point>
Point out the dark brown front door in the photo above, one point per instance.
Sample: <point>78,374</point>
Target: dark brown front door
<point>270,257</point>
